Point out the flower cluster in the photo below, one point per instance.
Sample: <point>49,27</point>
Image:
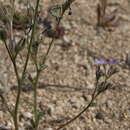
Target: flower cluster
<point>109,61</point>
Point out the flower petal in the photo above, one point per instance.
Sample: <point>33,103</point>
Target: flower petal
<point>112,61</point>
<point>100,61</point>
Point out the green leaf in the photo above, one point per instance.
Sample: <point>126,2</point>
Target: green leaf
<point>42,66</point>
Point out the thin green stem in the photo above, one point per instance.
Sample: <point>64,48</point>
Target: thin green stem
<point>79,114</point>
<point>35,82</point>
<point>94,95</point>
<point>35,100</point>
<point>51,43</point>
<point>6,105</point>
<point>37,77</point>
<point>48,50</point>
<point>24,70</point>
<point>26,63</point>
<point>32,36</point>
<point>13,61</point>
<point>18,81</point>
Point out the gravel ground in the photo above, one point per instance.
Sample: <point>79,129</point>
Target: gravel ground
<point>65,87</point>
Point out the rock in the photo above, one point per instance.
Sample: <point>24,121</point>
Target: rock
<point>109,103</point>
<point>99,116</point>
<point>28,115</point>
<point>66,38</point>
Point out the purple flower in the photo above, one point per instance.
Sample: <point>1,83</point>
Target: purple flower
<point>100,61</point>
<point>112,61</point>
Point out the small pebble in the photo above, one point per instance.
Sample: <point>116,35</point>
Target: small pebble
<point>99,116</point>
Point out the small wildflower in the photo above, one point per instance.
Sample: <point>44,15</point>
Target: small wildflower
<point>100,61</point>
<point>112,61</point>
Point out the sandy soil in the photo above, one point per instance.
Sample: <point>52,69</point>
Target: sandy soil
<point>68,82</point>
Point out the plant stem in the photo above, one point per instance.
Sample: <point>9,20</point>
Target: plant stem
<point>35,84</point>
<point>35,100</point>
<point>94,95</point>
<point>26,63</point>
<point>23,73</point>
<point>18,82</point>
<point>78,115</point>
<point>50,45</point>
<point>36,120</point>
<point>32,36</point>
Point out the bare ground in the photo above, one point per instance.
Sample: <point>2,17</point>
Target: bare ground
<point>68,82</point>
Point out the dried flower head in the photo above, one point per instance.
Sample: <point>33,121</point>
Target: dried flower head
<point>58,32</point>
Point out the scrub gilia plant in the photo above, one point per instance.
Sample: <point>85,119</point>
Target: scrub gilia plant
<point>12,20</point>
